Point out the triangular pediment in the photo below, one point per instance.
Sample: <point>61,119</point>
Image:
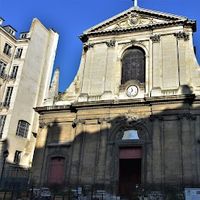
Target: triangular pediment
<point>135,18</point>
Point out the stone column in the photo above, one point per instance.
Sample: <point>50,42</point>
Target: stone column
<point>183,69</point>
<point>86,71</point>
<point>187,150</point>
<point>40,154</point>
<point>101,153</point>
<point>110,66</point>
<point>76,153</point>
<point>156,65</point>
<point>157,151</point>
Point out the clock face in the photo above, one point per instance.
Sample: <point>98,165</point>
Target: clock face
<point>132,91</point>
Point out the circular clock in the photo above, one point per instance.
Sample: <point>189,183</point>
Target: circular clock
<point>132,91</point>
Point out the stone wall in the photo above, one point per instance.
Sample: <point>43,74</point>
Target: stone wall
<point>90,139</point>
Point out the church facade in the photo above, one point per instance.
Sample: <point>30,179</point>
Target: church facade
<point>131,117</point>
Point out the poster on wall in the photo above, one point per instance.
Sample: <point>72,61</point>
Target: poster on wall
<point>192,193</point>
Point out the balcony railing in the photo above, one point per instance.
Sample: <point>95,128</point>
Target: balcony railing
<point>7,77</point>
<point>5,104</point>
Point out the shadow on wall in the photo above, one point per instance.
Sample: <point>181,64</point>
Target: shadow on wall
<point>167,139</point>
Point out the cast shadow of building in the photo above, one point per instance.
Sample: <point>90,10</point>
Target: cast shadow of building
<point>168,136</point>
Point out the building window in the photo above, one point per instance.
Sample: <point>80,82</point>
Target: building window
<point>17,157</point>
<point>2,122</point>
<point>19,53</point>
<point>8,96</point>
<point>133,65</point>
<point>23,35</point>
<point>130,135</point>
<point>7,49</point>
<point>14,72</point>
<point>22,128</point>
<point>56,171</point>
<point>2,68</point>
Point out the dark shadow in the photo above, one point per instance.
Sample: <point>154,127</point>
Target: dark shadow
<point>167,136</point>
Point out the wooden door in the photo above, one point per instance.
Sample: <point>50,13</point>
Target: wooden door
<point>56,171</point>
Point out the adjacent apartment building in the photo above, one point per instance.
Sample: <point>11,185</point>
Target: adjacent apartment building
<point>26,65</point>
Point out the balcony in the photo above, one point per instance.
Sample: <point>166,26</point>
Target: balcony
<point>4,104</point>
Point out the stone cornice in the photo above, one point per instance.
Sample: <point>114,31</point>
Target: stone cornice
<point>148,101</point>
<point>141,28</point>
<point>137,10</point>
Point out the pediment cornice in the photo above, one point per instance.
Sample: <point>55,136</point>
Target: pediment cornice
<point>137,19</point>
<point>141,28</point>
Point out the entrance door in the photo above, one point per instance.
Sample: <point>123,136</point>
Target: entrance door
<point>56,171</point>
<point>129,170</point>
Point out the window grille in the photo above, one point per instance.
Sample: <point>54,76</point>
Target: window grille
<point>22,128</point>
<point>2,68</point>
<point>7,49</point>
<point>19,53</point>
<point>133,65</point>
<point>14,72</point>
<point>8,96</point>
<point>2,122</point>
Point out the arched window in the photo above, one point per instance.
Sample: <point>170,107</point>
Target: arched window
<point>133,65</point>
<point>130,135</point>
<point>56,170</point>
<point>22,128</point>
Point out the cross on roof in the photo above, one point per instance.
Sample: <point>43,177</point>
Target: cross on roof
<point>135,3</point>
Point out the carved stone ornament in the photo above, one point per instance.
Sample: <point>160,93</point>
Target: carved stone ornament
<point>182,35</point>
<point>133,18</point>
<point>155,38</point>
<point>102,120</point>
<point>77,121</point>
<point>88,46</point>
<point>111,43</point>
<point>132,118</point>
<point>43,124</point>
<point>187,116</point>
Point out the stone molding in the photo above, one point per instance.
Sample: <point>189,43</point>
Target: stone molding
<point>187,116</point>
<point>88,46</point>
<point>103,120</point>
<point>77,121</point>
<point>155,38</point>
<point>182,35</point>
<point>43,124</point>
<point>111,43</point>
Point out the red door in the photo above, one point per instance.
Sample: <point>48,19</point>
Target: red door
<point>56,171</point>
<point>129,170</point>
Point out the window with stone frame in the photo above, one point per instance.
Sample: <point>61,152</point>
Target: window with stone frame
<point>19,53</point>
<point>2,122</point>
<point>22,128</point>
<point>14,72</point>
<point>7,49</point>
<point>8,96</point>
<point>133,65</point>
<point>17,157</point>
<point>2,68</point>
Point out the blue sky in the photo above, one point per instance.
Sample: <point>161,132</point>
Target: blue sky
<point>71,17</point>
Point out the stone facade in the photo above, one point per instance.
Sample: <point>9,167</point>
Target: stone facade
<point>86,125</point>
<point>25,72</point>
